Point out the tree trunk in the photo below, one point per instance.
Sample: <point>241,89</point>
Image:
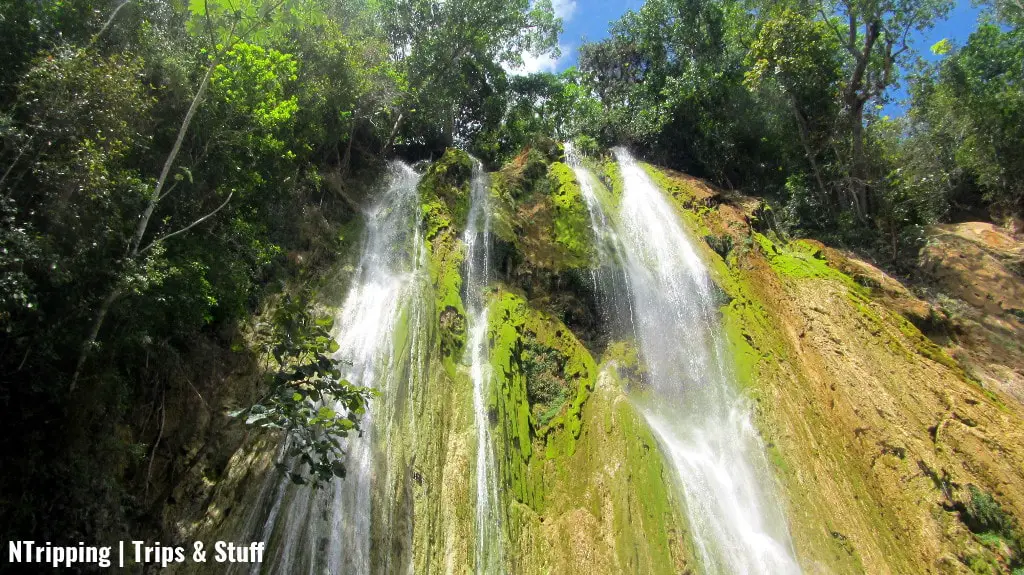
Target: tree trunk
<point>94,331</point>
<point>140,229</point>
<point>856,97</point>
<point>859,180</point>
<point>391,137</point>
<point>805,141</point>
<point>346,162</point>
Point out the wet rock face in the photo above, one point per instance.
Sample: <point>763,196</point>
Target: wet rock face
<point>979,263</point>
<point>896,453</point>
<point>544,246</point>
<point>977,271</point>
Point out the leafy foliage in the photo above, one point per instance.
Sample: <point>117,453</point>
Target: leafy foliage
<point>969,109</point>
<point>308,400</point>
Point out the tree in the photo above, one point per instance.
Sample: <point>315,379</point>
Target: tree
<point>248,19</point>
<point>798,55</point>
<point>967,123</point>
<point>671,80</point>
<point>875,37</point>
<point>453,53</point>
<point>306,398</point>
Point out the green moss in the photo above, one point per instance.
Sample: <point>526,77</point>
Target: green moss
<point>651,536</point>
<point>802,259</point>
<point>443,204</point>
<point>629,366</point>
<point>680,190</point>
<point>610,175</point>
<point>519,336</point>
<point>651,478</point>
<point>746,327</point>
<point>775,456</point>
<point>610,504</point>
<point>447,182</point>
<point>571,221</point>
<point>503,210</point>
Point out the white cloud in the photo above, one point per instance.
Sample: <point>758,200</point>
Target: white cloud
<point>564,9</point>
<point>543,63</point>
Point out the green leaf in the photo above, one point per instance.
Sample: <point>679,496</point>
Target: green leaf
<point>942,47</point>
<point>297,396</point>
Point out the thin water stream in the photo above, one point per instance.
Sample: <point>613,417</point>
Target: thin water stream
<point>478,274</point>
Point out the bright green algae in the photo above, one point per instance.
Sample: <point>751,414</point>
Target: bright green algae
<point>572,229</point>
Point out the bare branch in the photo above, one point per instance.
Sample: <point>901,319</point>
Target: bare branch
<point>113,14</point>
<point>140,229</point>
<point>168,192</point>
<point>16,158</point>
<point>188,227</point>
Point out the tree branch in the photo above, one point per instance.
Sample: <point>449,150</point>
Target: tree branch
<point>827,20</point>
<point>140,229</point>
<point>168,192</point>
<point>15,162</point>
<point>188,227</point>
<point>113,14</point>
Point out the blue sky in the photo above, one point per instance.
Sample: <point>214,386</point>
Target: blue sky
<point>589,20</point>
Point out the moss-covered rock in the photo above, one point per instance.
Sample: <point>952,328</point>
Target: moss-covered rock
<point>585,483</point>
<point>444,193</point>
<point>540,211</point>
<point>572,229</point>
<point>607,508</point>
<point>447,181</point>
<point>542,375</point>
<point>545,247</point>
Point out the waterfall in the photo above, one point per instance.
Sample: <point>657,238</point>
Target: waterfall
<point>610,282</point>
<point>689,398</point>
<point>328,530</point>
<point>478,271</point>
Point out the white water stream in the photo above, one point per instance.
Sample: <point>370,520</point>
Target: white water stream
<point>692,405</point>
<point>478,241</point>
<point>329,530</point>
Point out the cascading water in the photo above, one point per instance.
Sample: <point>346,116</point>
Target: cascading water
<point>692,405</point>
<point>478,264</point>
<point>611,285</point>
<point>329,530</point>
